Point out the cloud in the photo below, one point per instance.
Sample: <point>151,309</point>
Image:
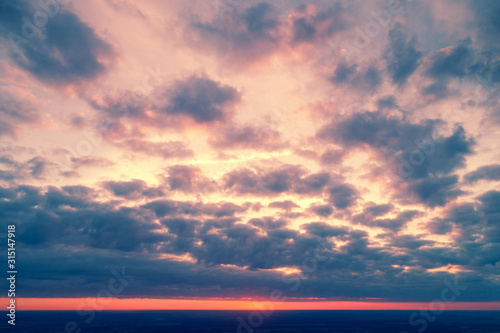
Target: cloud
<point>163,208</point>
<point>199,98</point>
<point>182,227</point>
<point>425,160</point>
<point>17,108</point>
<point>436,191</point>
<point>224,209</point>
<point>310,24</point>
<point>343,196</point>
<point>446,64</point>
<point>285,205</point>
<point>247,137</point>
<point>62,51</point>
<point>71,216</point>
<point>487,16</point>
<point>451,61</point>
<point>487,172</point>
<point>394,137</point>
<point>322,210</point>
<point>387,102</point>
<point>282,179</point>
<point>402,55</point>
<point>343,72</point>
<point>188,179</point>
<point>409,242</point>
<point>490,207</point>
<point>322,229</point>
<point>332,156</point>
<point>364,80</point>
<point>90,161</point>
<point>171,149</point>
<point>134,189</point>
<point>6,128</point>
<point>35,168</point>
<point>190,101</point>
<point>371,216</point>
<point>240,205</point>
<point>247,35</point>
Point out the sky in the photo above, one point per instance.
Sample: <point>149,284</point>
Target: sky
<point>331,151</point>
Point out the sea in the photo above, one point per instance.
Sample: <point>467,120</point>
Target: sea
<point>253,322</point>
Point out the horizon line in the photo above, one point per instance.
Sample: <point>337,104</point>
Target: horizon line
<point>152,304</point>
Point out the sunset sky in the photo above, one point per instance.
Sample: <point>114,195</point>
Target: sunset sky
<point>210,151</point>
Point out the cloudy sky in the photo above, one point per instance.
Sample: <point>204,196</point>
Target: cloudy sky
<point>332,150</point>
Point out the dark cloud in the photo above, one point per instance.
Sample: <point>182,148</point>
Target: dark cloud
<point>402,56</point>
<point>365,80</point>
<point>343,196</point>
<point>439,226</point>
<point>257,19</point>
<point>450,62</point>
<point>322,229</point>
<point>489,206</point>
<point>69,216</point>
<point>375,129</point>
<point>464,215</point>
<point>268,223</point>
<point>133,189</point>
<point>247,35</point>
<point>113,237</point>
<point>370,79</point>
<point>343,72</point>
<point>36,168</point>
<point>224,209</point>
<point>303,30</point>
<point>322,210</point>
<point>487,16</point>
<point>65,50</point>
<point>475,228</point>
<point>487,172</point>
<point>425,160</point>
<point>436,90</point>
<point>184,228</point>
<point>313,25</point>
<point>371,213</point>
<point>171,149</point>
<point>313,183</point>
<point>409,242</point>
<point>188,179</point>
<point>377,210</point>
<point>283,179</point>
<point>464,219</point>
<point>162,208</point>
<point>123,230</point>
<point>199,98</point>
<point>436,191</point>
<point>195,98</point>
<point>392,137</point>
<point>387,102</point>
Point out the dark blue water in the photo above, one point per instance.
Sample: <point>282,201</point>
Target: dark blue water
<point>254,322</point>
